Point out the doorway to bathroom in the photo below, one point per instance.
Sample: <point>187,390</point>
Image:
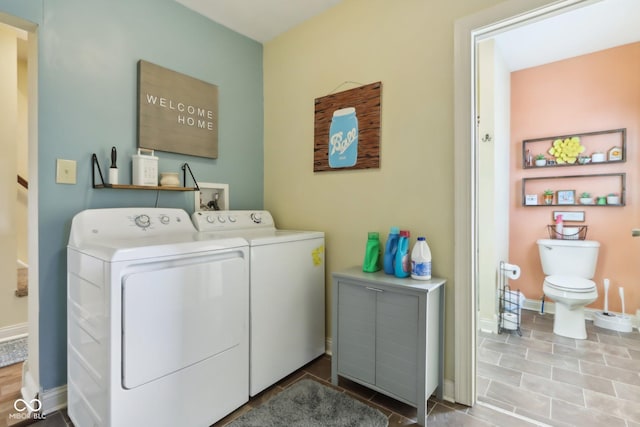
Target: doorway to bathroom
<point>478,226</point>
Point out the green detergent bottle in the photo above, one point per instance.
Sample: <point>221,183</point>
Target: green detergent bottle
<point>372,262</point>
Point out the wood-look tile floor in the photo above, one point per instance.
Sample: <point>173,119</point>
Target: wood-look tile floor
<point>440,413</point>
<point>540,378</point>
<point>562,381</point>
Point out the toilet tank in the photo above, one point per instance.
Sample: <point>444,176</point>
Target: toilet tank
<point>569,257</point>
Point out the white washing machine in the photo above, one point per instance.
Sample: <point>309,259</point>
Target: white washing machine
<point>287,292</point>
<point>157,320</point>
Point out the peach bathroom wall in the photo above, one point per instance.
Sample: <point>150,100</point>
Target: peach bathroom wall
<point>593,92</point>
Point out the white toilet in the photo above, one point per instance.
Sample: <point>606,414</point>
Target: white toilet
<point>568,265</point>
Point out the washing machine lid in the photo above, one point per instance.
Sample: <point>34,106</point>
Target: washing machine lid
<point>570,283</point>
<point>121,234</point>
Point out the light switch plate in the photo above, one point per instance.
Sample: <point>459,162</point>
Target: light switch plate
<point>65,171</point>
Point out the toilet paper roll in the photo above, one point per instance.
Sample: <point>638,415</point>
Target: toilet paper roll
<point>511,271</point>
<point>510,321</point>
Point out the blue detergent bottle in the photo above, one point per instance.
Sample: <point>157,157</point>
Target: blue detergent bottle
<point>390,250</point>
<point>402,263</point>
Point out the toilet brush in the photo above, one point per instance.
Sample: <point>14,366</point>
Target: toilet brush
<point>606,297</point>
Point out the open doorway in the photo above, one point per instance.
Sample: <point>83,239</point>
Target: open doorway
<point>18,218</point>
<point>469,32</point>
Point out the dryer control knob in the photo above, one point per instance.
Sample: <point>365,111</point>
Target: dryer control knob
<point>142,221</point>
<point>232,218</point>
<point>221,219</point>
<point>164,219</point>
<point>256,217</point>
<point>211,219</point>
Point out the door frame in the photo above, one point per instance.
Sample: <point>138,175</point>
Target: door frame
<point>468,32</point>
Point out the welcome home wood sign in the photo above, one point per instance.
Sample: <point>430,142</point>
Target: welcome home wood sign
<point>176,113</point>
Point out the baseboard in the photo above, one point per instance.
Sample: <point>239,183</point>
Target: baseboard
<point>488,325</point>
<point>54,399</point>
<point>14,331</point>
<point>448,393</point>
<point>550,307</point>
<point>29,389</point>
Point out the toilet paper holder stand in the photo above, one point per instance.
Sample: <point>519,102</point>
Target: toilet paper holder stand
<point>509,301</point>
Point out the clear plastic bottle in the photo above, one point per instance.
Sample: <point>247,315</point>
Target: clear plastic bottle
<point>372,253</point>
<point>390,250</point>
<point>421,260</point>
<point>402,264</point>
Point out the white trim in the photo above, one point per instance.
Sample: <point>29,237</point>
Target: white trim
<point>54,399</point>
<point>468,31</point>
<point>489,325</point>
<point>448,392</point>
<point>328,345</point>
<point>18,330</point>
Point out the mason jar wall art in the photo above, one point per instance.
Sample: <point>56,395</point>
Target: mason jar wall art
<point>347,129</point>
<point>343,138</point>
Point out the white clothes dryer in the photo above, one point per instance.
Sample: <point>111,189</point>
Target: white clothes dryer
<point>157,320</point>
<point>287,294</point>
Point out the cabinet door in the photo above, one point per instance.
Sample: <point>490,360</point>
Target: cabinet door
<point>356,331</point>
<point>397,344</point>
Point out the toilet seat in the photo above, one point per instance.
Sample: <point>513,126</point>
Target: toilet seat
<point>570,284</point>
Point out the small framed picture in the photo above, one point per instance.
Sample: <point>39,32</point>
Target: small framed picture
<point>569,216</point>
<point>566,197</point>
<point>531,199</point>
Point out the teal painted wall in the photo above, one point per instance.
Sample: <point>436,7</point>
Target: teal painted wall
<point>88,53</point>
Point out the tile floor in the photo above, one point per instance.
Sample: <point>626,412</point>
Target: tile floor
<point>441,413</point>
<point>562,381</point>
<point>537,379</point>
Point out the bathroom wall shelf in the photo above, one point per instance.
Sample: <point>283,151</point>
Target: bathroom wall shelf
<point>102,184</point>
<point>595,141</point>
<point>617,186</point>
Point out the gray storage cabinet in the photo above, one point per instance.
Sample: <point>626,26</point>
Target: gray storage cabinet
<point>388,334</point>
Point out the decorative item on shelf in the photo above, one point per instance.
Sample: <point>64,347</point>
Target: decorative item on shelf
<point>540,160</point>
<point>531,199</point>
<point>597,157</point>
<point>169,179</point>
<point>528,160</point>
<point>586,199</point>
<point>601,200</point>
<point>613,199</point>
<point>566,150</point>
<point>583,160</point>
<point>578,232</point>
<point>566,197</point>
<point>615,154</point>
<point>548,197</point>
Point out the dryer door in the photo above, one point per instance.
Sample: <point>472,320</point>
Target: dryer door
<point>178,313</point>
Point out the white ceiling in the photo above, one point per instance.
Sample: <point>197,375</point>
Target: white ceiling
<point>602,25</point>
<point>261,20</point>
<point>588,29</point>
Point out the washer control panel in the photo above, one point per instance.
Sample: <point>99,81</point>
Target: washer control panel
<point>231,220</point>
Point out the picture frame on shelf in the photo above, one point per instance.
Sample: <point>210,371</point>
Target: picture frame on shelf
<point>531,200</point>
<point>566,197</point>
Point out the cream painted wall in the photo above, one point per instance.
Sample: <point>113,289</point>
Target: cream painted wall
<point>408,46</point>
<point>13,310</point>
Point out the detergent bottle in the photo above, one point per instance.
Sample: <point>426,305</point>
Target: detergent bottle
<point>402,265</point>
<point>421,260</point>
<point>372,253</point>
<point>390,250</point>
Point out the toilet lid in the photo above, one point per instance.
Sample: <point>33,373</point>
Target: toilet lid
<point>569,283</point>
